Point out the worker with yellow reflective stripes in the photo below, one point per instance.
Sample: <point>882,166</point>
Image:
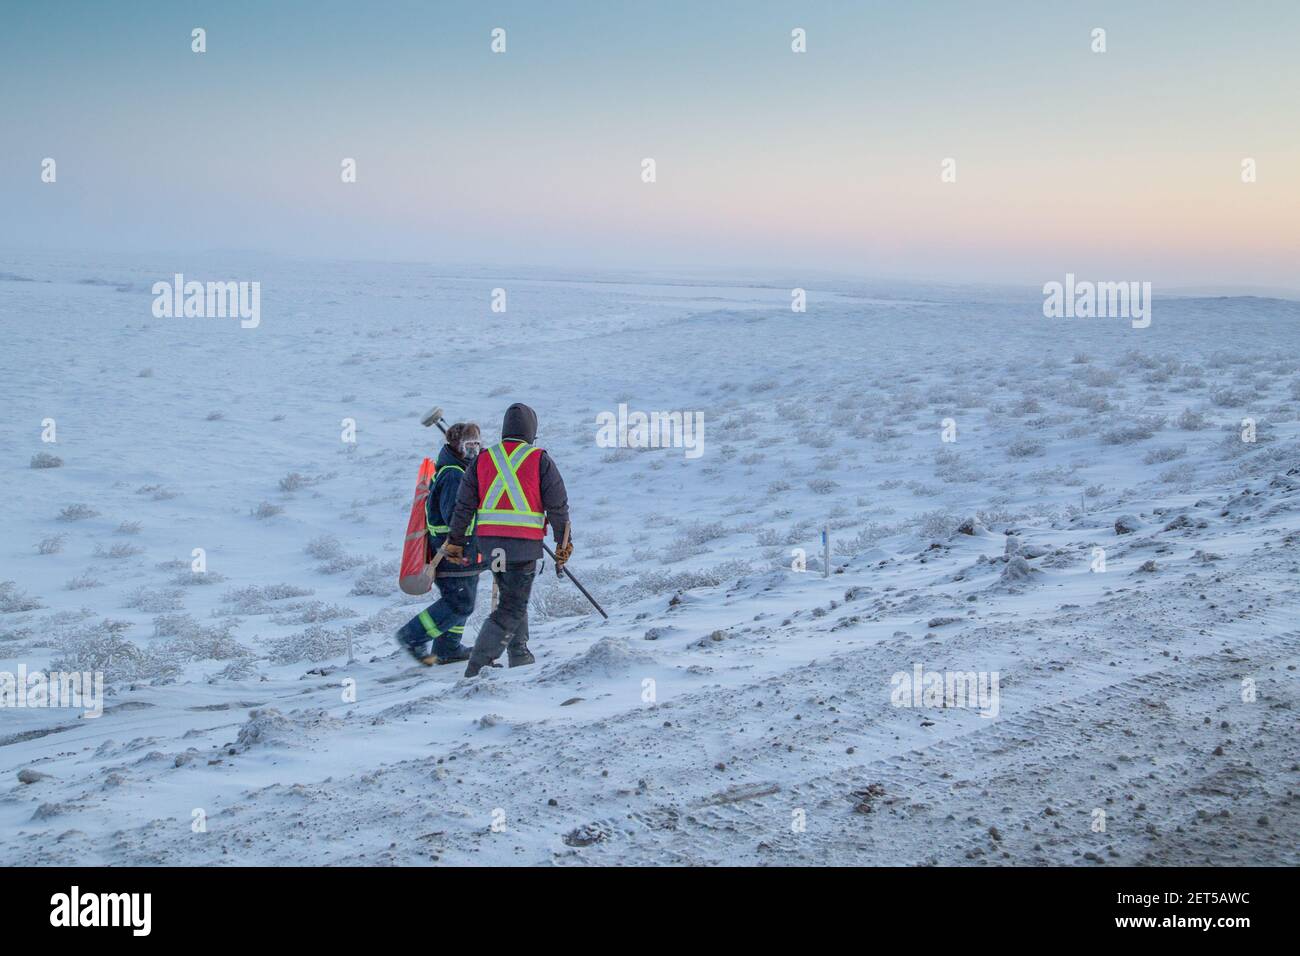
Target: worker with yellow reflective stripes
<point>443,622</point>
<point>513,491</point>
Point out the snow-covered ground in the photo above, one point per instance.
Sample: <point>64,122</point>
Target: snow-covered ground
<point>732,710</point>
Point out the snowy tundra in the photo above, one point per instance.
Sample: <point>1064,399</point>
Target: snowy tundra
<point>1092,527</point>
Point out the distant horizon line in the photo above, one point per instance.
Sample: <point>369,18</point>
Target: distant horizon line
<point>727,274</point>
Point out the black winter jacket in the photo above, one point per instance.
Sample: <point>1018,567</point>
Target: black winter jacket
<point>520,423</point>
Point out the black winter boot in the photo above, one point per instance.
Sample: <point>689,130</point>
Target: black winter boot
<point>461,653</point>
<point>521,657</point>
<point>416,652</point>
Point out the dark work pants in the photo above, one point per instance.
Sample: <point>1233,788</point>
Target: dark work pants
<point>443,622</point>
<point>508,624</point>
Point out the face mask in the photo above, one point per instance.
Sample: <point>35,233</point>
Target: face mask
<point>470,448</point>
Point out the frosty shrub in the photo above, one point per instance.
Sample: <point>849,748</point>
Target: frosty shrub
<point>77,513</point>
<point>1025,448</point>
<point>238,669</point>
<point>937,525</point>
<point>778,486</point>
<point>128,527</point>
<point>9,635</point>
<point>1158,456</point>
<point>315,644</point>
<point>103,647</point>
<point>841,418</point>
<point>156,492</point>
<point>257,594</point>
<point>266,510</point>
<point>83,582</point>
<point>771,537</point>
<point>1137,429</point>
<point>1135,358</point>
<point>292,482</point>
<point>822,486</point>
<point>376,580</point>
<point>1026,406</point>
<point>43,459</point>
<point>194,642</point>
<point>323,548</point>
<point>994,518</point>
<point>1181,474</point>
<point>654,583</point>
<point>792,411</point>
<point>341,563</point>
<point>1228,398</point>
<point>215,416</point>
<point>169,625</point>
<point>1100,378</point>
<point>702,531</point>
<point>118,552</point>
<point>1224,359</point>
<point>295,481</point>
<point>1231,446</point>
<point>1190,421</point>
<point>556,599</point>
<point>864,539</point>
<point>1089,401</point>
<point>144,373</point>
<point>312,612</point>
<point>155,600</point>
<point>52,544</point>
<point>12,600</point>
<point>193,579</point>
<point>680,552</point>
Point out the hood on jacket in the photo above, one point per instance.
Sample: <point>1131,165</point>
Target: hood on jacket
<point>449,456</point>
<point>519,422</point>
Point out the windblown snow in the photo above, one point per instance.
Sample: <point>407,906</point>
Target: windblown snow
<point>1102,536</point>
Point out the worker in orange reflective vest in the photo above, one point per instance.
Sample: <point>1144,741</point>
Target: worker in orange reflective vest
<point>513,491</point>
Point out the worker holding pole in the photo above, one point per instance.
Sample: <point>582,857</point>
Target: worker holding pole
<point>511,493</point>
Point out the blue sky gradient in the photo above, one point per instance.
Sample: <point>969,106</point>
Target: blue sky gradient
<point>1123,164</point>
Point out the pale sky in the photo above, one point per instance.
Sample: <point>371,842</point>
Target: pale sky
<point>1118,165</point>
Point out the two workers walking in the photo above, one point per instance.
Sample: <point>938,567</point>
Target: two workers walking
<point>488,510</point>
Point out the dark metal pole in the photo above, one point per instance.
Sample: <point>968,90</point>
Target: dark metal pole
<point>577,584</point>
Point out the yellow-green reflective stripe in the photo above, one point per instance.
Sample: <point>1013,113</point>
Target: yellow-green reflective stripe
<point>446,529</point>
<point>508,476</point>
<point>498,487</point>
<point>519,519</point>
<point>429,626</point>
